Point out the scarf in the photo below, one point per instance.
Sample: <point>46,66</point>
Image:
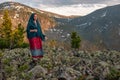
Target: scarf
<point>32,25</point>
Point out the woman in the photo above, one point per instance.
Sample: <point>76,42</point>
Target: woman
<point>35,37</point>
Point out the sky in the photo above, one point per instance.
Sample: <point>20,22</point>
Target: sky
<point>68,7</point>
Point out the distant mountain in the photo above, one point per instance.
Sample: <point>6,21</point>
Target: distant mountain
<point>20,13</point>
<point>101,27</point>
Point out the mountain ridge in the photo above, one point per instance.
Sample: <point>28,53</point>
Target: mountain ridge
<point>101,27</point>
<point>20,13</point>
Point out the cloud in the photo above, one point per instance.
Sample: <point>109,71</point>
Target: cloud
<point>77,9</point>
<point>67,7</point>
<point>5,0</point>
<point>112,2</point>
<point>72,2</point>
<point>35,3</point>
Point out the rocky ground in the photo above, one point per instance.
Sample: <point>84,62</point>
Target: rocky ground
<point>60,64</point>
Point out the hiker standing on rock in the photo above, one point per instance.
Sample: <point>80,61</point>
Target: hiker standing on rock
<point>35,37</point>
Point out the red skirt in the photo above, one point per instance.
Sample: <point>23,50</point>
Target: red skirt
<point>36,47</point>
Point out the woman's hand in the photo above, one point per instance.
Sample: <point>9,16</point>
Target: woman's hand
<point>33,30</point>
<point>46,38</point>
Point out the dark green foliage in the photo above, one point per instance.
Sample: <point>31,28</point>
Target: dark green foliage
<point>24,45</point>
<point>5,31</point>
<point>3,43</point>
<point>75,40</point>
<point>1,55</point>
<point>11,38</point>
<point>18,36</point>
<point>8,69</point>
<point>113,75</point>
<point>7,61</point>
<point>23,68</point>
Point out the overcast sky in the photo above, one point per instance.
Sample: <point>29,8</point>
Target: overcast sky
<point>56,5</point>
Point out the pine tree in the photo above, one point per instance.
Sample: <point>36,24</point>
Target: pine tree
<point>21,32</point>
<point>18,36</point>
<point>10,38</point>
<point>75,40</point>
<point>6,29</point>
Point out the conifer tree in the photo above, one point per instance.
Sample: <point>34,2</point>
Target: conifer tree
<point>18,36</point>
<point>6,29</point>
<point>10,38</point>
<point>75,40</point>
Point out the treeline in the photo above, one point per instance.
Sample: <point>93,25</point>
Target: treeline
<point>9,37</point>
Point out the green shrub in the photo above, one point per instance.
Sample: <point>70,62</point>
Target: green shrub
<point>23,68</point>
<point>113,75</point>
